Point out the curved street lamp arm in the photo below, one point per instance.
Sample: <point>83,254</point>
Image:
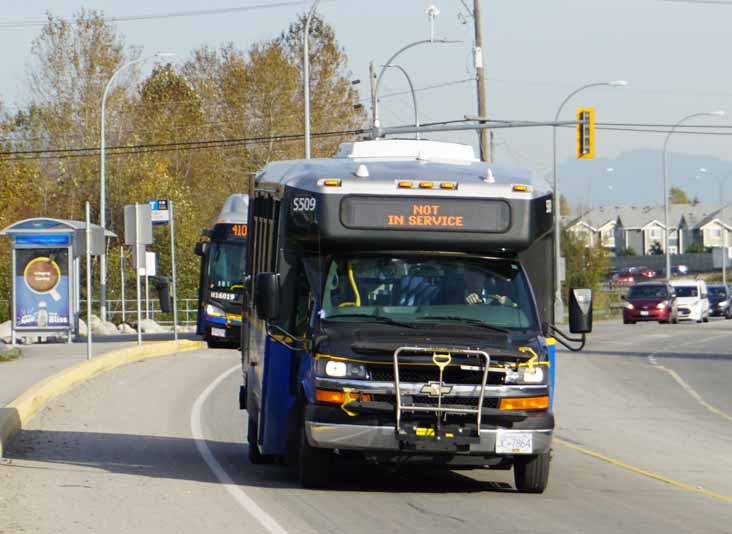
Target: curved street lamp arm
<point>414,95</point>
<point>570,95</point>
<point>404,49</point>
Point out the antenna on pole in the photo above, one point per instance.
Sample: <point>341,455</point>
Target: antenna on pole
<point>432,13</point>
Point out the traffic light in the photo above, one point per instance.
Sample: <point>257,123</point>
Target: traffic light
<point>586,133</point>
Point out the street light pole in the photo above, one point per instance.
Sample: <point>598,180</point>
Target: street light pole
<point>103,179</point>
<point>414,96</point>
<point>717,113</point>
<point>376,122</point>
<point>432,13</point>
<point>306,75</point>
<point>558,304</point>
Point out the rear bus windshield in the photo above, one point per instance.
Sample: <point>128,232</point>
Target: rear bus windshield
<point>686,291</point>
<point>647,292</point>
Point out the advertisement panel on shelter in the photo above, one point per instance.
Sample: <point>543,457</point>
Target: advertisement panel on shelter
<point>42,294</point>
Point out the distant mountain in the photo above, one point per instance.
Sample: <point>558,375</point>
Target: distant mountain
<point>636,178</point>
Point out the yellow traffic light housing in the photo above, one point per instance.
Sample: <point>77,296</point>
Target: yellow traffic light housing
<point>586,133</point>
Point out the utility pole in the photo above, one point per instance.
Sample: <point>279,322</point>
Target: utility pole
<point>374,96</point>
<point>485,155</point>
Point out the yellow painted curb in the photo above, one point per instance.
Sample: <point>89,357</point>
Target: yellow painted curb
<point>16,414</point>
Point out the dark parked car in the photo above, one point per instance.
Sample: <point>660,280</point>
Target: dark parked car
<point>650,301</point>
<point>719,301</point>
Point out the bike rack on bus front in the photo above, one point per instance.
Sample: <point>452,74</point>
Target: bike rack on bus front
<point>441,357</point>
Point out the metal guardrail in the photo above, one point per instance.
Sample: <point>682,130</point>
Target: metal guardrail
<point>187,310</point>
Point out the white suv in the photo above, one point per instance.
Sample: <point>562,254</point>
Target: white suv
<point>692,299</point>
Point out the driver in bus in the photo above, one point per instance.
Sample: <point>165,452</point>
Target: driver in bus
<point>481,289</point>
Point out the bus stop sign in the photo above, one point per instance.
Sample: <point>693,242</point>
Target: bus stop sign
<point>160,213</point>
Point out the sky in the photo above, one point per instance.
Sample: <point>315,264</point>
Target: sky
<point>674,55</point>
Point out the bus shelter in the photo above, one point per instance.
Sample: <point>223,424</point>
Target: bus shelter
<point>46,271</point>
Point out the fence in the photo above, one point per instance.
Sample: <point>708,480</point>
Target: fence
<point>187,310</point>
<point>697,263</point>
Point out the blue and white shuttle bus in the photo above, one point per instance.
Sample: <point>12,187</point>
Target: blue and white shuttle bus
<point>400,308</point>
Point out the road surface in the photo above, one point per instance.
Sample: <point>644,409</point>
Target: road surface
<point>644,420</point>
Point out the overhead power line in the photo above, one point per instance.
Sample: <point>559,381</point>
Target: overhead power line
<point>84,152</point>
<point>170,14</point>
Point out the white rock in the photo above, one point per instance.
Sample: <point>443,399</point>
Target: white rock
<point>96,323</point>
<point>124,328</point>
<point>5,334</point>
<point>103,328</point>
<point>151,327</point>
<point>82,327</point>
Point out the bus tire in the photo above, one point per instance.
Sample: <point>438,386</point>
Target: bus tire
<point>313,463</point>
<point>531,473</point>
<point>214,344</point>
<point>255,456</point>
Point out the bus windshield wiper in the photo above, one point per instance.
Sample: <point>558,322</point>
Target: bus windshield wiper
<point>379,318</point>
<point>467,320</point>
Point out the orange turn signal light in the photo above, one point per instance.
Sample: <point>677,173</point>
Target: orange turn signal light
<point>525,403</point>
<point>338,397</point>
<point>521,188</point>
<point>448,185</point>
<point>406,185</point>
<point>332,183</point>
<point>425,185</point>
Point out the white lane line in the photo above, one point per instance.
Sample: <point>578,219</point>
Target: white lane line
<point>684,385</point>
<point>240,496</point>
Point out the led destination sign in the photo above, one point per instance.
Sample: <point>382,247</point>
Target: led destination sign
<point>230,231</point>
<point>442,215</point>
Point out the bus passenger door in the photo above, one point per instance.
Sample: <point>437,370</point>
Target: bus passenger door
<point>285,367</point>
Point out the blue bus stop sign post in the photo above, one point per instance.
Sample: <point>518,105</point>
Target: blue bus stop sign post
<point>162,213</point>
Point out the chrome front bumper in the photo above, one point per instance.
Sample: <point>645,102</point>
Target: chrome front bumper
<point>384,438</point>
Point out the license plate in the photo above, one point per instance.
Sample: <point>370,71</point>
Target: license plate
<point>644,313</point>
<point>514,443</point>
<point>218,332</point>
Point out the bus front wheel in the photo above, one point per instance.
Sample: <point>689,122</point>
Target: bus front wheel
<point>531,473</point>
<point>313,463</point>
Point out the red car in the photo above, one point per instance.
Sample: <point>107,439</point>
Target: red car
<point>624,278</point>
<point>650,301</point>
<point>646,272</point>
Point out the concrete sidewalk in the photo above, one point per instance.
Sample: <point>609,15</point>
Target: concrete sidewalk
<point>39,361</point>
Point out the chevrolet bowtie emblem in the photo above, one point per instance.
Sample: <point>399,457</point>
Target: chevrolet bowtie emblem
<point>435,389</point>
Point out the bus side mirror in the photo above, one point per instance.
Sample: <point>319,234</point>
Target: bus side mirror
<point>162,284</point>
<point>200,249</point>
<point>580,311</point>
<point>267,296</point>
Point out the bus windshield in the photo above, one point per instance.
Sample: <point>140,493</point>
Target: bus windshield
<point>486,292</point>
<point>226,265</point>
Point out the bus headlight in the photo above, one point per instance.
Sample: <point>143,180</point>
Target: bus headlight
<point>338,369</point>
<point>525,375</point>
<point>214,311</point>
<point>629,306</point>
<point>662,305</point>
